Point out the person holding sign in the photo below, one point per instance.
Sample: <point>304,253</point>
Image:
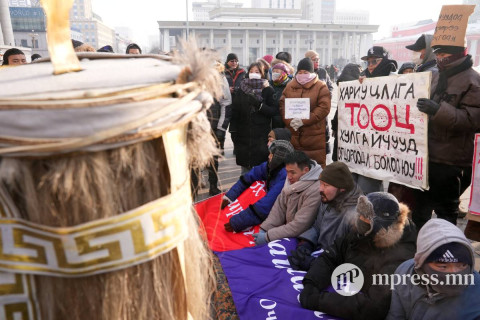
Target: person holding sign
<point>304,106</point>
<point>454,117</point>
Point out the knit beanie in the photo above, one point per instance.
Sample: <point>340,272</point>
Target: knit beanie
<point>451,252</point>
<point>337,174</point>
<point>282,134</point>
<point>280,149</point>
<point>305,64</point>
<point>268,58</point>
<point>282,67</point>
<point>232,56</point>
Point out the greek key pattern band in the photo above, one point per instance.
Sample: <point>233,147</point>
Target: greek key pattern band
<point>99,246</point>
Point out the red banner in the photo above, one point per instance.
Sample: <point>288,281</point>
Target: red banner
<point>213,219</point>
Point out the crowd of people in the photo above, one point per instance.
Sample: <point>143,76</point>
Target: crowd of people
<point>327,207</point>
<point>350,217</point>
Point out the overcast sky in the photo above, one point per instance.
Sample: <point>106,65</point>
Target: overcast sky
<point>142,15</point>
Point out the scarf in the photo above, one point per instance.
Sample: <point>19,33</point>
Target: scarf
<point>254,87</point>
<point>281,81</point>
<point>383,69</point>
<point>447,73</point>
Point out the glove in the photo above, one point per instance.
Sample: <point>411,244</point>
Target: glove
<point>228,227</point>
<point>225,202</point>
<point>260,238</point>
<point>296,123</point>
<point>310,296</point>
<point>254,102</point>
<point>301,259</point>
<point>428,106</point>
<point>220,134</point>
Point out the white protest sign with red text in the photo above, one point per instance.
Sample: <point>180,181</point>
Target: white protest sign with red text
<point>381,133</point>
<point>474,206</point>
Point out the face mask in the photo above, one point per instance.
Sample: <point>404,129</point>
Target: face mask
<point>363,227</point>
<point>416,57</point>
<point>449,290</point>
<point>255,76</point>
<point>276,76</point>
<point>305,78</point>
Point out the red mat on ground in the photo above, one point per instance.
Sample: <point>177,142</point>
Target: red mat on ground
<point>213,219</point>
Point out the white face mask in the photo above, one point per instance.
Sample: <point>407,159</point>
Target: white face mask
<point>276,76</point>
<point>255,76</point>
<point>416,57</point>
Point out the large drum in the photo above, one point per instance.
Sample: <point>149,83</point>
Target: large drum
<point>95,203</point>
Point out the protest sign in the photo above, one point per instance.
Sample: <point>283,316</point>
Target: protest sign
<point>263,284</point>
<point>381,132</point>
<point>451,26</point>
<point>474,206</point>
<point>213,219</point>
<point>297,108</point>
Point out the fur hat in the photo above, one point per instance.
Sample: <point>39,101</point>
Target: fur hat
<point>338,175</point>
<point>380,208</point>
<point>306,64</point>
<point>311,54</point>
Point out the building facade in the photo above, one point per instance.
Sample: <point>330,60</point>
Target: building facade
<point>337,44</point>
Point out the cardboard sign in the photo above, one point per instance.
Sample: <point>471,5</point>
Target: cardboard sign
<point>452,26</point>
<point>474,206</point>
<point>297,108</point>
<point>381,132</point>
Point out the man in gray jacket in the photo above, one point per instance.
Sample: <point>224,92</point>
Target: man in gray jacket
<point>444,255</point>
<point>295,208</point>
<point>335,216</point>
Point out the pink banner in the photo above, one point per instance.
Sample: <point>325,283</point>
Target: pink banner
<point>213,219</point>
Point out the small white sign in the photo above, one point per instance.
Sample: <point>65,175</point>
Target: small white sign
<point>297,108</point>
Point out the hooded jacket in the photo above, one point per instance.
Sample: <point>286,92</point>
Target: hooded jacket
<point>417,302</point>
<point>295,208</point>
<point>452,129</point>
<point>429,62</point>
<point>334,219</point>
<point>379,253</point>
<point>310,138</point>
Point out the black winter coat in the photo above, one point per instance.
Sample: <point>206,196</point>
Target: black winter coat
<point>374,300</point>
<point>277,121</point>
<point>250,125</point>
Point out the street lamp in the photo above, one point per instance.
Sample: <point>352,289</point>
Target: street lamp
<point>310,41</point>
<point>33,35</point>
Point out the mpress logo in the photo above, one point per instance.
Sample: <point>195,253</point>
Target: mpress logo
<point>347,279</point>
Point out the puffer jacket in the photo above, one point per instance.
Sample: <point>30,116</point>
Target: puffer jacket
<point>334,219</point>
<point>381,253</point>
<point>295,208</point>
<point>452,129</point>
<point>415,302</point>
<point>310,138</point>
<point>256,213</point>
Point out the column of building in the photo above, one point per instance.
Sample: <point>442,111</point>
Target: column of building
<point>6,31</point>
<point>246,47</point>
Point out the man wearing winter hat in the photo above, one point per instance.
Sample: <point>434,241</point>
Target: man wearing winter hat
<point>444,254</point>
<point>335,215</point>
<point>295,209</point>
<point>308,135</point>
<point>422,54</point>
<point>453,119</point>
<point>383,239</point>
<point>273,172</point>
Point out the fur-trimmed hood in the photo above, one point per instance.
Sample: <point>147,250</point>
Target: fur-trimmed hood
<point>387,238</point>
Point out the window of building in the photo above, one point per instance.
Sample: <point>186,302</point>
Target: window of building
<point>241,40</point>
<point>24,43</point>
